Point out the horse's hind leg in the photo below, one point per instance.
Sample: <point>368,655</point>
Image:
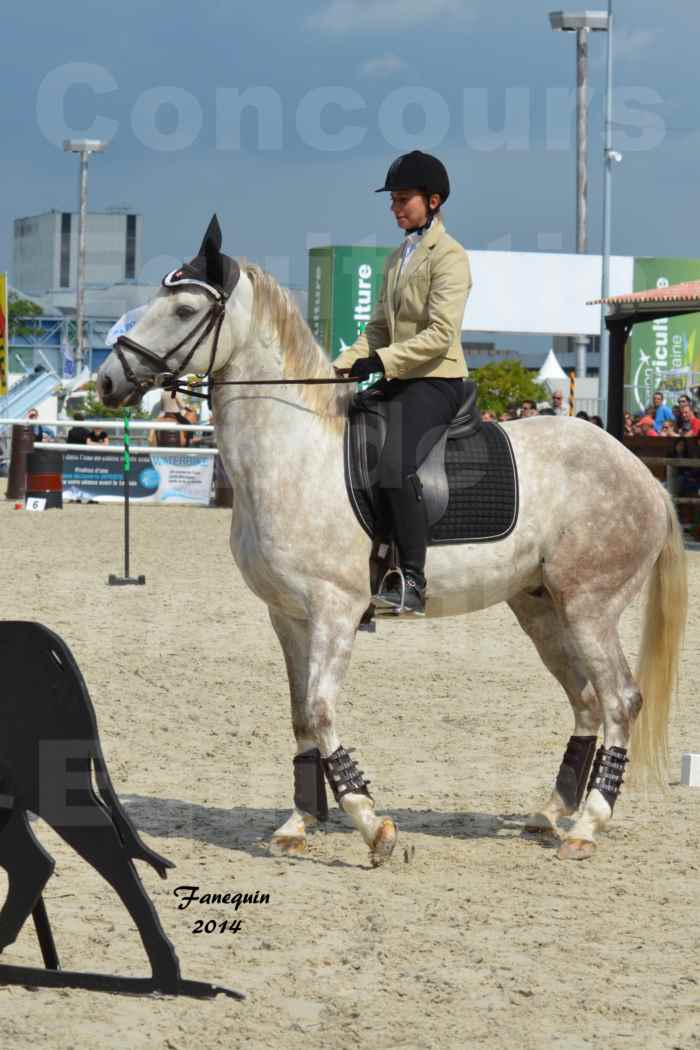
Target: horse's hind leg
<point>28,868</point>
<point>538,618</point>
<point>620,701</point>
<point>317,654</point>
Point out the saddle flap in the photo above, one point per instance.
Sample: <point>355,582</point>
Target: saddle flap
<point>469,479</point>
<point>468,418</point>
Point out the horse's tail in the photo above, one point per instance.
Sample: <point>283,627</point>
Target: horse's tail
<point>657,670</point>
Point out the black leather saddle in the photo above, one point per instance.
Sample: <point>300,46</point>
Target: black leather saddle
<point>469,477</point>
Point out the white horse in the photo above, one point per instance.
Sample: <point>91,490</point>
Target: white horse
<point>594,525</point>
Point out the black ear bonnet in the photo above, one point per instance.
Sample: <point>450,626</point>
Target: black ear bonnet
<point>209,269</point>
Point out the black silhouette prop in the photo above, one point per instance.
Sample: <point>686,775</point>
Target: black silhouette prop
<point>51,763</point>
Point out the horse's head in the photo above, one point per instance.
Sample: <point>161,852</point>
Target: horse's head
<point>190,326</point>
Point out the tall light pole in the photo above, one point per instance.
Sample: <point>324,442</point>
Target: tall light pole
<point>84,147</point>
<point>581,23</point>
<point>609,156</point>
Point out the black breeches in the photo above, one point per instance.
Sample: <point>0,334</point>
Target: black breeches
<point>419,412</point>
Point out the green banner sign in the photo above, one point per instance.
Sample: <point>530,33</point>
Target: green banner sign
<point>664,353</point>
<point>320,295</point>
<point>344,285</point>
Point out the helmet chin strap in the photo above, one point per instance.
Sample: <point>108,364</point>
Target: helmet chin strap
<point>432,212</point>
<point>423,228</point>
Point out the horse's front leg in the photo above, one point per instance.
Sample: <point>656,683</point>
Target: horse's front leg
<point>317,654</point>
<point>293,636</point>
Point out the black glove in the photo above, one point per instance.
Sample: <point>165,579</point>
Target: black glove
<point>364,367</point>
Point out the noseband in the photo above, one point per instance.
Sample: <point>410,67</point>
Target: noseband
<point>210,322</point>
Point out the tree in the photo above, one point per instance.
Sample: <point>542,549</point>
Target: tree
<point>504,383</point>
<point>18,310</point>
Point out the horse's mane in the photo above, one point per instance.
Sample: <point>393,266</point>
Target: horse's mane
<point>302,357</point>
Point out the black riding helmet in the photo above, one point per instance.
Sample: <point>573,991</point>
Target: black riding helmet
<point>417,170</point>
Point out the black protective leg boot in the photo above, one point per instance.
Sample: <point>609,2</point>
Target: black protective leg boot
<point>411,535</point>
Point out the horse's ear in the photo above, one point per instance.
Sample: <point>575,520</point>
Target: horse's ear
<point>211,245</point>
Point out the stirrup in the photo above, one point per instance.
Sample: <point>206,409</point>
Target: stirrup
<point>409,598</point>
<point>382,603</point>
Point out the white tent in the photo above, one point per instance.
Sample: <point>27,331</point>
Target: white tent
<point>551,371</point>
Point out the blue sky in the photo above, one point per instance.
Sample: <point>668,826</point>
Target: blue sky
<point>343,86</point>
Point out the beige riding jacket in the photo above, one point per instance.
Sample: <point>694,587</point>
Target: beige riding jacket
<point>416,324</point>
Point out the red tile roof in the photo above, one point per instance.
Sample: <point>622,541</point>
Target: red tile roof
<point>687,291</point>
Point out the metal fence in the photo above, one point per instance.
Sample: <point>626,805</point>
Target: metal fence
<point>58,426</point>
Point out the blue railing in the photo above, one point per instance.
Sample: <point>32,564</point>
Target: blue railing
<point>55,338</point>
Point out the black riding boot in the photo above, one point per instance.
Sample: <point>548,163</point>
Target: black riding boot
<point>411,535</point>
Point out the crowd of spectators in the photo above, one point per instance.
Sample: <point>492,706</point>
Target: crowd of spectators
<point>663,420</point>
<point>676,420</point>
<point>524,409</point>
<point>660,419</point>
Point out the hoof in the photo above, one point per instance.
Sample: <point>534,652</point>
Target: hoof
<point>383,843</point>
<point>287,845</point>
<point>576,849</point>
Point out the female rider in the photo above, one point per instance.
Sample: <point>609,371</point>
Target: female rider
<point>413,340</point>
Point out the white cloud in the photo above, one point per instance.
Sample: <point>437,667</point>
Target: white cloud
<point>382,66</point>
<point>348,16</point>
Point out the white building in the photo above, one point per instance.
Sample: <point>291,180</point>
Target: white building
<point>45,257</point>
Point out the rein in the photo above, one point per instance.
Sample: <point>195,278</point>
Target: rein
<point>171,382</point>
<point>210,322</point>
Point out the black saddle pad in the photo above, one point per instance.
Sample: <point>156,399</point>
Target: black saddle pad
<point>483,489</point>
<point>483,483</point>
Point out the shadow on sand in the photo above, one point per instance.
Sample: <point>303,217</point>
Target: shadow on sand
<point>249,830</point>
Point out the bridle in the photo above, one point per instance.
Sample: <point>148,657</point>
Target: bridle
<point>211,322</point>
<point>169,379</point>
<point>218,275</point>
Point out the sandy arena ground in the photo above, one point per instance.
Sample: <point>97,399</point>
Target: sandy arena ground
<point>473,936</point>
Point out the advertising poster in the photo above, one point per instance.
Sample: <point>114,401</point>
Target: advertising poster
<point>344,285</point>
<point>4,334</point>
<point>663,353</point>
<point>91,477</point>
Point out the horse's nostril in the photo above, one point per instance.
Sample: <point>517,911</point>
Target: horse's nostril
<point>106,386</point>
